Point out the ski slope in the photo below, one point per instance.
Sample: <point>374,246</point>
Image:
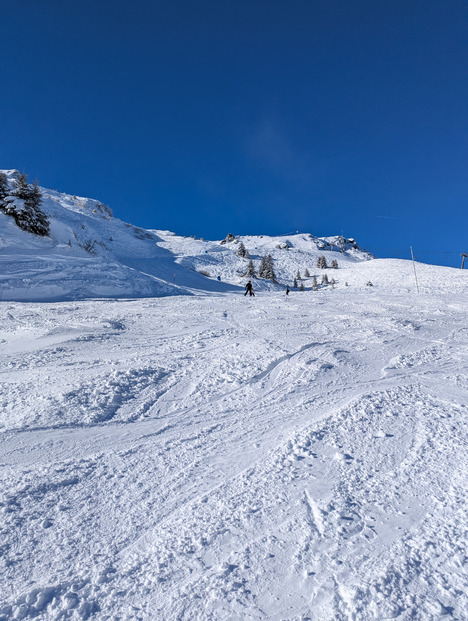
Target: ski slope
<point>220,457</point>
<point>90,254</point>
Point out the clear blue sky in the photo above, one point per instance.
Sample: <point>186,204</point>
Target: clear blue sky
<point>250,116</point>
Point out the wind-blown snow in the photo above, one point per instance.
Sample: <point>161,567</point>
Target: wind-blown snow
<point>221,457</point>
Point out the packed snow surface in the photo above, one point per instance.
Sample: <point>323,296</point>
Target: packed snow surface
<point>221,457</point>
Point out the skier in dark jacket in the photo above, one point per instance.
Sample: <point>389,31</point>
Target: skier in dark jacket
<point>249,289</point>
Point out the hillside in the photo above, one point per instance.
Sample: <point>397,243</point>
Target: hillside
<point>220,457</point>
<point>195,454</point>
<point>91,254</point>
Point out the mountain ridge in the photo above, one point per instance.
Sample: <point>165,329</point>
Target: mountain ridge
<point>91,254</point>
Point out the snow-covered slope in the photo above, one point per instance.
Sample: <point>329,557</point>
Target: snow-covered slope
<point>214,457</point>
<point>290,253</point>
<point>220,457</point>
<point>91,254</point>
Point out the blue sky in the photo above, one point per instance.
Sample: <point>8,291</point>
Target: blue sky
<point>250,116</point>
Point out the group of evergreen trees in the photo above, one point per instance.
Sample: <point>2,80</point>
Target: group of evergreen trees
<point>322,263</point>
<point>23,204</point>
<point>299,284</point>
<point>265,270</point>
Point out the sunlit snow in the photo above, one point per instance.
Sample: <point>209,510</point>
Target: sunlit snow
<point>212,456</point>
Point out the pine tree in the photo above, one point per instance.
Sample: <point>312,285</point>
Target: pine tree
<point>324,279</point>
<point>250,270</point>
<point>24,206</point>
<point>314,283</point>
<point>271,271</point>
<point>266,269</point>
<point>22,186</point>
<point>242,251</point>
<point>322,262</point>
<point>334,264</point>
<point>301,288</point>
<point>306,273</point>
<point>3,188</point>
<point>298,275</point>
<point>262,270</point>
<point>295,284</point>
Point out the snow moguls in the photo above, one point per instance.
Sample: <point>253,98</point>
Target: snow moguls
<point>203,457</point>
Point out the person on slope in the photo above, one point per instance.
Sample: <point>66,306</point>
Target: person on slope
<point>249,289</point>
<point>287,290</point>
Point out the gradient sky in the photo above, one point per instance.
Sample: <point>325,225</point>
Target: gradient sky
<point>250,116</point>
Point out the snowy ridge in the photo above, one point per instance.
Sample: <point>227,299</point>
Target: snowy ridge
<point>91,254</point>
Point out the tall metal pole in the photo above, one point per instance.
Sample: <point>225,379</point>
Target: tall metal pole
<point>414,267</point>
<point>463,256</point>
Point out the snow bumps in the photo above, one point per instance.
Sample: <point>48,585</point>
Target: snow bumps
<point>279,461</point>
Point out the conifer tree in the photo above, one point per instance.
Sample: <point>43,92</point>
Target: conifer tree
<point>301,288</point>
<point>298,275</point>
<point>266,269</point>
<point>295,284</point>
<point>262,270</point>
<point>270,269</point>
<point>242,251</point>
<point>334,264</point>
<point>322,262</point>
<point>22,186</point>
<point>324,279</point>
<point>3,188</point>
<point>24,206</point>
<point>306,273</point>
<point>314,283</point>
<point>250,270</point>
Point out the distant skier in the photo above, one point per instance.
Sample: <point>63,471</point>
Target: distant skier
<point>249,289</point>
<point>287,290</point>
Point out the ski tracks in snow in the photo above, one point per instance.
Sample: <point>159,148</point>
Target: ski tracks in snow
<point>184,461</point>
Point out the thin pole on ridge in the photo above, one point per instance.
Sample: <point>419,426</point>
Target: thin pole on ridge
<point>463,256</point>
<point>414,267</point>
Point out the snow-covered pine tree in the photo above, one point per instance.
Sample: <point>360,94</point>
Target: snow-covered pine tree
<point>262,270</point>
<point>295,284</point>
<point>3,188</point>
<point>250,270</point>
<point>266,269</point>
<point>242,251</point>
<point>306,273</point>
<point>314,283</point>
<point>334,264</point>
<point>324,279</point>
<point>322,262</point>
<point>270,269</point>
<point>24,206</point>
<point>301,287</point>
<point>298,275</point>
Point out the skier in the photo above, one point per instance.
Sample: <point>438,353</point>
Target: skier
<point>249,289</point>
<point>287,290</point>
